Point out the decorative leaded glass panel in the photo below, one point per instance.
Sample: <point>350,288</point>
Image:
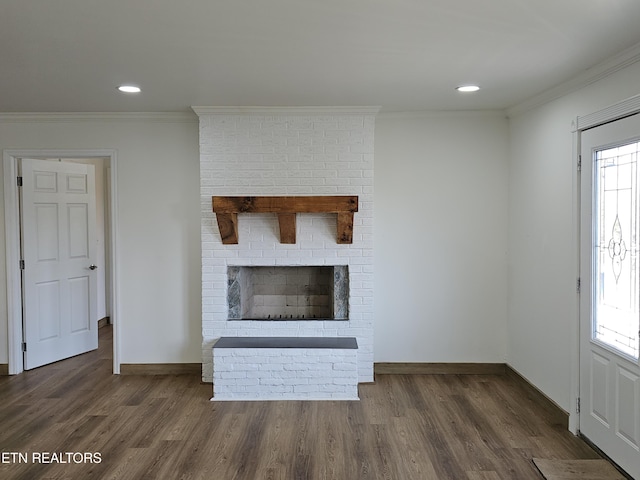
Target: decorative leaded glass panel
<point>616,277</point>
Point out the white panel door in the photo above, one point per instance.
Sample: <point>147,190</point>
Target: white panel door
<point>610,291</point>
<point>58,215</point>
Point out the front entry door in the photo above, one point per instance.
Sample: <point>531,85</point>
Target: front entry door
<point>610,290</point>
<point>58,221</point>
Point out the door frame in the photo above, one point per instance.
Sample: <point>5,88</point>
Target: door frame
<point>12,233</point>
<point>617,111</point>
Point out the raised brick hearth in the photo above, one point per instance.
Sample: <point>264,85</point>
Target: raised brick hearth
<point>291,368</point>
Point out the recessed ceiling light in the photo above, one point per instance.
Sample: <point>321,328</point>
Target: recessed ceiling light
<point>129,89</point>
<point>468,88</point>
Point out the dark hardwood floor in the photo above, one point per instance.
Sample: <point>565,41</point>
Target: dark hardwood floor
<point>459,427</point>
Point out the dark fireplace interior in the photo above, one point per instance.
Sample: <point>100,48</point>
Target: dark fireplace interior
<point>288,293</point>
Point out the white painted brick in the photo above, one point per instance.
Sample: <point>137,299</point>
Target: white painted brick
<point>305,388</point>
<point>272,381</point>
<point>331,388</point>
<point>309,376</point>
<point>269,367</point>
<point>228,375</point>
<point>253,388</point>
<point>342,381</point>
<point>287,155</point>
<point>316,380</point>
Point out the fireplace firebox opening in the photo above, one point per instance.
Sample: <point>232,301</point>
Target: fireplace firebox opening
<point>288,293</point>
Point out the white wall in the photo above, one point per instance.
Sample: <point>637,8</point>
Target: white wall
<point>542,328</point>
<point>158,224</point>
<point>441,237</point>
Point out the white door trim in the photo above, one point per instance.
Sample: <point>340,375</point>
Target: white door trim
<point>12,234</point>
<point>614,112</point>
<point>611,113</point>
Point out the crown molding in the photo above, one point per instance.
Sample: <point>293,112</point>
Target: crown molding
<point>592,75</point>
<point>286,111</point>
<point>436,114</point>
<point>57,117</point>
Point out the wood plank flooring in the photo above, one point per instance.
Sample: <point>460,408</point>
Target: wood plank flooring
<point>406,427</point>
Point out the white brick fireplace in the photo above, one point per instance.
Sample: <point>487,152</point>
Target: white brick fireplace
<point>287,152</point>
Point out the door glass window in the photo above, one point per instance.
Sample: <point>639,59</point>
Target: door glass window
<point>616,296</point>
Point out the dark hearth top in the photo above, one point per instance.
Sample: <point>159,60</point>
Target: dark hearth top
<point>343,343</point>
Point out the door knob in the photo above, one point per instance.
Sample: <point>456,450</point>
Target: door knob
<point>92,267</point>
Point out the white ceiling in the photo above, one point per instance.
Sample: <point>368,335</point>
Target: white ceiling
<point>69,55</point>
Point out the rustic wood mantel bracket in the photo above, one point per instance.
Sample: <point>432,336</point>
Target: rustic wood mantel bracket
<point>227,209</point>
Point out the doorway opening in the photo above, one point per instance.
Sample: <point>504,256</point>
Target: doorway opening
<point>106,162</point>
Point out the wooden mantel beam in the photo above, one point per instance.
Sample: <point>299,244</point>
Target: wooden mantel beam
<point>227,209</point>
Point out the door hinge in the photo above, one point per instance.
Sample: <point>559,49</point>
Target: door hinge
<point>579,163</point>
<point>578,405</point>
<point>19,181</point>
<point>21,264</point>
<point>24,346</point>
<point>578,285</point>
